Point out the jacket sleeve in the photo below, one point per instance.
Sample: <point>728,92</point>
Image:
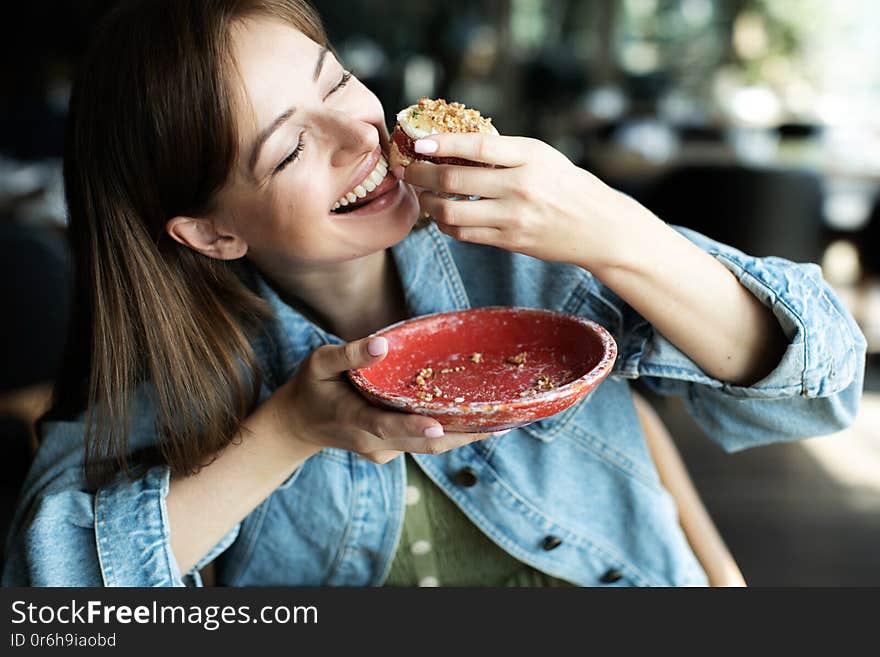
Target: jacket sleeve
<point>815,388</point>
<point>63,535</point>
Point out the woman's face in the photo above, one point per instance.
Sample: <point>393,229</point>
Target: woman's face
<point>309,134</point>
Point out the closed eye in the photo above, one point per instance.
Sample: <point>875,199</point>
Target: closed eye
<point>292,156</point>
<point>346,76</point>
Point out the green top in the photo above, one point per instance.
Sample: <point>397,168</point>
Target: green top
<point>440,546</point>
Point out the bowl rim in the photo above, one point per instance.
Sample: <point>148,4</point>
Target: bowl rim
<point>597,373</point>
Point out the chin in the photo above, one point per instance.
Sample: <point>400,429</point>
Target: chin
<point>408,211</point>
<point>381,235</point>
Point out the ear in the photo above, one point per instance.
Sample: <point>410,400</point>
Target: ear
<point>203,235</point>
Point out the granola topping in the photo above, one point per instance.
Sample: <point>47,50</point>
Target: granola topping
<point>436,115</point>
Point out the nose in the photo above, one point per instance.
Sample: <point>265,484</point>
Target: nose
<point>352,138</point>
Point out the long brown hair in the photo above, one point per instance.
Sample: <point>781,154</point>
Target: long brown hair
<point>151,136</point>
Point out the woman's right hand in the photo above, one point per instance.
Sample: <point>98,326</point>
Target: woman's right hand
<point>319,406</point>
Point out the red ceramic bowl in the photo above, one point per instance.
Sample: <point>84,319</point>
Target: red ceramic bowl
<point>488,369</point>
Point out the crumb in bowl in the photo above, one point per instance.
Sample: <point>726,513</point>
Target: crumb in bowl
<point>434,382</point>
<point>542,384</point>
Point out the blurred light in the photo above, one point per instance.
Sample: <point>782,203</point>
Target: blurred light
<point>481,51</point>
<point>419,77</point>
<point>852,149</point>
<point>18,179</point>
<point>607,103</point>
<point>840,263</point>
<point>756,106</point>
<point>34,189</point>
<point>852,456</point>
<point>678,109</point>
<point>653,140</point>
<point>754,145</point>
<point>846,209</point>
<point>800,98</point>
<point>640,57</point>
<point>363,57</point>
<point>697,13</point>
<point>528,25</point>
<point>868,317</point>
<point>749,35</point>
<point>641,7</point>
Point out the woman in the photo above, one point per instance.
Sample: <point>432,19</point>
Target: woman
<point>221,301</point>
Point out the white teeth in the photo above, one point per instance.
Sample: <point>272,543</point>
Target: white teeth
<point>373,180</point>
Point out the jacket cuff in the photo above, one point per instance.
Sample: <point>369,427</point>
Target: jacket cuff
<point>132,532</point>
<point>824,343</point>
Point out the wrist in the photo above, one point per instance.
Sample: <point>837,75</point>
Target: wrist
<point>630,239</point>
<point>277,415</point>
<point>634,236</point>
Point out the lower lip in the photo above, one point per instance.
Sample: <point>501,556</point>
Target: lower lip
<point>378,204</point>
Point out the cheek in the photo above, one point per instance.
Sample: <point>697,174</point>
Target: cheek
<point>275,215</point>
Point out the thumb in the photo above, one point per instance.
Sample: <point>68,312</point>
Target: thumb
<point>330,360</point>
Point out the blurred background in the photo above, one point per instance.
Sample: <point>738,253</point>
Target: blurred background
<point>755,122</point>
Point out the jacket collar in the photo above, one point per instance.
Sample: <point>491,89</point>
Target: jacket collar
<point>431,281</point>
<point>431,284</point>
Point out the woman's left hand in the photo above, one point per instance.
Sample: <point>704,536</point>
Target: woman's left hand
<point>535,201</point>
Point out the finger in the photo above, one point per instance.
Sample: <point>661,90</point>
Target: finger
<point>329,360</point>
<point>393,430</point>
<point>446,443</point>
<point>499,150</point>
<point>458,179</point>
<point>383,457</point>
<point>484,212</point>
<point>475,235</point>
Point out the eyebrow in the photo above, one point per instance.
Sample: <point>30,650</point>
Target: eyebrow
<point>283,117</point>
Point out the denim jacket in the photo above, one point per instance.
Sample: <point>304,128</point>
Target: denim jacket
<point>584,476</point>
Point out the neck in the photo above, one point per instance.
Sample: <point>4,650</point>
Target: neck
<point>349,299</point>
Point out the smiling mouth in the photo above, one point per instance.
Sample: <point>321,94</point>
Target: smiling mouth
<point>371,187</point>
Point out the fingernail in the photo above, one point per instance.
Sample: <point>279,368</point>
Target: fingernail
<point>433,432</point>
<point>398,172</point>
<point>377,346</point>
<point>500,433</point>
<point>425,146</point>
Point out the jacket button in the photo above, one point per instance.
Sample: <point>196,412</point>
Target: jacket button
<point>611,576</point>
<point>551,542</point>
<point>466,477</point>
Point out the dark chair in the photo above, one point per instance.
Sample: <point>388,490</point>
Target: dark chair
<point>762,211</point>
<point>868,241</point>
<point>35,299</point>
